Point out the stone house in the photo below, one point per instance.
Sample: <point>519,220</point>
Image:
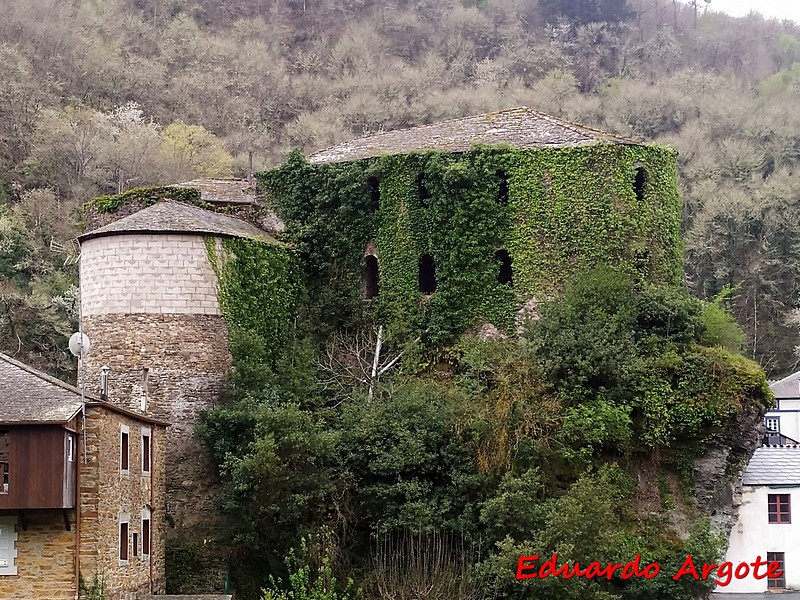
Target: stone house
<point>82,494</point>
<point>770,486</point>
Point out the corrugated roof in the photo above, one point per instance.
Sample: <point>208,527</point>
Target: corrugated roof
<point>177,217</point>
<point>520,127</point>
<point>30,396</point>
<point>788,387</point>
<point>773,465</point>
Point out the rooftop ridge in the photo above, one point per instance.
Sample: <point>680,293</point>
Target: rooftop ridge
<point>455,136</point>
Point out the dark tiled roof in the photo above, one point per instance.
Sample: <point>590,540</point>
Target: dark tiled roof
<point>177,217</point>
<point>773,465</point>
<point>30,396</point>
<point>520,127</point>
<point>788,387</point>
<point>223,191</point>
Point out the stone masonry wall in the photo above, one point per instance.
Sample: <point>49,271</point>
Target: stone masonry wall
<point>147,273</point>
<point>150,309</point>
<point>174,366</point>
<point>45,558</point>
<point>107,493</point>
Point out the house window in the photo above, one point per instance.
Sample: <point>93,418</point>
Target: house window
<point>5,460</point>
<point>773,424</point>
<point>427,274</point>
<point>370,282</point>
<point>135,543</point>
<point>70,448</point>
<point>123,539</point>
<point>8,552</point>
<point>778,583</point>
<point>779,509</point>
<point>146,447</point>
<point>145,533</point>
<point>124,448</point>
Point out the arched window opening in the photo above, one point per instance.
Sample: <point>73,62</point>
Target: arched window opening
<point>427,274</point>
<point>638,183</point>
<point>424,194</point>
<point>502,190</point>
<point>374,193</point>
<point>505,276</point>
<point>369,283</point>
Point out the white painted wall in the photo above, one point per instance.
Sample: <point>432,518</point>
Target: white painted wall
<point>753,535</point>
<point>165,273</point>
<point>789,415</point>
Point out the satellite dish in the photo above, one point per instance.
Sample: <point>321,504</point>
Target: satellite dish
<point>79,344</point>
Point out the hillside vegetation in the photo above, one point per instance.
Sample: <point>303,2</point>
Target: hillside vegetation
<point>97,96</point>
<point>579,436</point>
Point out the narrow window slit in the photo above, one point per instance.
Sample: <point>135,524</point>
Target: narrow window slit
<point>505,276</point>
<point>502,190</point>
<point>370,281</point>
<point>424,194</point>
<point>374,193</point>
<point>427,274</point>
<point>639,181</point>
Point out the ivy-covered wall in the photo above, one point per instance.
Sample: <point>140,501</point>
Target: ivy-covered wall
<point>257,288</point>
<point>555,211</point>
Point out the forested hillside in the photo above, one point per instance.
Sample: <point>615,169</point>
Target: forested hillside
<point>580,436</point>
<point>97,96</point>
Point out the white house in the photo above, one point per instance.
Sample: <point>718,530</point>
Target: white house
<point>770,487</point>
<point>784,419</point>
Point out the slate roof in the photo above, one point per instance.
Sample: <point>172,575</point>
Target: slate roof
<point>223,191</point>
<point>30,396</point>
<point>520,127</point>
<point>177,217</point>
<point>788,387</point>
<point>773,465</point>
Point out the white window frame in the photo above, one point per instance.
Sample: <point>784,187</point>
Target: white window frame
<point>124,518</point>
<point>777,421</point>
<point>124,429</point>
<point>70,448</point>
<point>8,539</point>
<point>146,516</point>
<point>147,433</point>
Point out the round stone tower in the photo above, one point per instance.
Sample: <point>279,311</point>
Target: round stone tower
<point>150,308</point>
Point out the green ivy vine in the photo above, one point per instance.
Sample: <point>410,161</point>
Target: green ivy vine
<point>146,196</point>
<point>257,290</point>
<point>555,212</point>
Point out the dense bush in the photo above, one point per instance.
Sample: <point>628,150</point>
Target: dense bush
<point>526,446</point>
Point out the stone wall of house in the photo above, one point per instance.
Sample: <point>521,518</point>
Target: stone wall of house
<point>110,495</point>
<point>151,311</point>
<point>45,558</point>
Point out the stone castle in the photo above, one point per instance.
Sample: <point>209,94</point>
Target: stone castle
<point>149,292</point>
